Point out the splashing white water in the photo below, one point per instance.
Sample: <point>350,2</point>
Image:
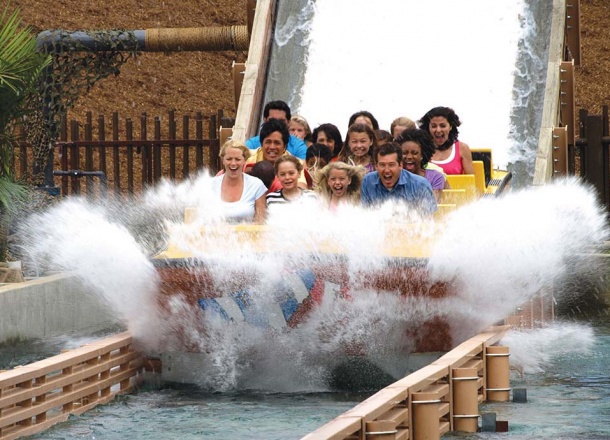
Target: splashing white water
<point>532,350</point>
<point>494,255</point>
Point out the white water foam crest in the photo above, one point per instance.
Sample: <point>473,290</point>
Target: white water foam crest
<point>79,237</point>
<point>533,350</point>
<point>501,252</point>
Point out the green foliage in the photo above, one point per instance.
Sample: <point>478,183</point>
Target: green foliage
<point>20,66</point>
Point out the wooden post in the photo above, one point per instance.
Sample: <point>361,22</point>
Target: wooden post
<point>74,157</point>
<point>573,29</point>
<point>425,416</point>
<point>115,154</point>
<point>465,399</point>
<point>145,151</point>
<point>239,70</point>
<point>498,373</point>
<point>129,137</point>
<point>157,151</point>
<point>172,146</point>
<point>89,183</point>
<point>596,157</point>
<point>567,106</point>
<point>199,137</point>
<point>185,147</point>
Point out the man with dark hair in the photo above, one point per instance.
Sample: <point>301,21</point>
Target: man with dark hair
<point>273,140</point>
<point>279,110</point>
<point>391,181</point>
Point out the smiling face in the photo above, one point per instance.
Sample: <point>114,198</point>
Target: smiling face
<point>326,140</point>
<point>288,175</point>
<point>411,156</point>
<point>359,144</point>
<point>338,181</point>
<point>273,147</point>
<point>439,129</point>
<point>389,169</point>
<point>233,162</point>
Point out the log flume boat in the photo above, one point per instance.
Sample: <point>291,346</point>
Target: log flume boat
<point>262,277</point>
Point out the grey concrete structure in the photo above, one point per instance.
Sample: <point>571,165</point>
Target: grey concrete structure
<point>50,306</point>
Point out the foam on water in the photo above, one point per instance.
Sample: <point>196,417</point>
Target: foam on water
<point>532,350</point>
<point>494,254</point>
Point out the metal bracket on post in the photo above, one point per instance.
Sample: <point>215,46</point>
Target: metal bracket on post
<point>567,108</point>
<point>560,151</point>
<point>573,29</point>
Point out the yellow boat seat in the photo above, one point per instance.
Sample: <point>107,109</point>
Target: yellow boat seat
<point>444,209</point>
<point>463,181</point>
<point>456,197</point>
<point>479,176</point>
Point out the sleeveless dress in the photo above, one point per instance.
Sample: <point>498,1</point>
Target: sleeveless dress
<point>453,164</point>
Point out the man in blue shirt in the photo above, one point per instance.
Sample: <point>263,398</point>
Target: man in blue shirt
<point>280,110</point>
<point>391,181</point>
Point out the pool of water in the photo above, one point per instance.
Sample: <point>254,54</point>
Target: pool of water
<point>171,413</point>
<point>569,399</point>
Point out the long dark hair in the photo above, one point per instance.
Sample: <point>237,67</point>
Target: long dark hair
<point>452,118</point>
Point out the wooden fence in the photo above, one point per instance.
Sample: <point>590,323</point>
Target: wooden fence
<point>126,159</point>
<point>39,395</point>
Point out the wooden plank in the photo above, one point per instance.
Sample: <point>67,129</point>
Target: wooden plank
<point>52,383</point>
<point>337,429</point>
<point>18,431</point>
<point>15,415</point>
<point>422,377</point>
<point>60,361</point>
<point>560,151</point>
<point>543,170</point>
<point>379,403</point>
<point>248,110</point>
<point>398,414</point>
<point>573,29</point>
<point>568,104</point>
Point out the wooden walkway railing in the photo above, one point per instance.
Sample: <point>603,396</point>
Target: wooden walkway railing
<point>36,396</point>
<point>440,397</point>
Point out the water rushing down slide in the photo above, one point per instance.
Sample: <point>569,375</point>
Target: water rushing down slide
<point>486,60</point>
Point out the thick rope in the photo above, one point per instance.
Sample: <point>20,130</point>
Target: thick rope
<point>197,39</point>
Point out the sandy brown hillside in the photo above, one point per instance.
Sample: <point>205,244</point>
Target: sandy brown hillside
<point>191,81</point>
<point>154,82</point>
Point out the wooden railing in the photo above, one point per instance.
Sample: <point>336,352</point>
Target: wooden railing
<point>36,396</point>
<point>440,397</point>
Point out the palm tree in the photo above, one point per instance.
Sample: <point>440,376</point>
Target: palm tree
<point>20,65</point>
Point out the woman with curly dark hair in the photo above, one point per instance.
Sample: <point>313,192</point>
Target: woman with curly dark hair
<point>453,156</point>
<point>417,149</point>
